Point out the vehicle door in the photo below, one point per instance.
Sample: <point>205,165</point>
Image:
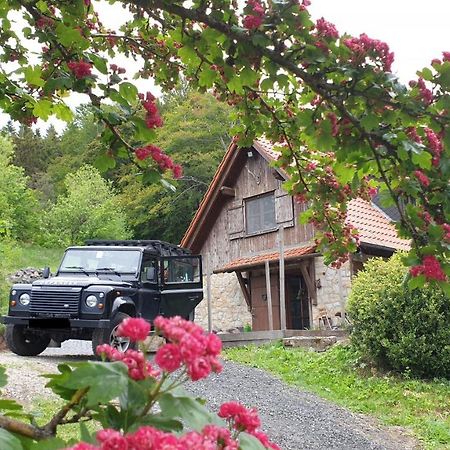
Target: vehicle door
<point>148,297</point>
<point>181,285</point>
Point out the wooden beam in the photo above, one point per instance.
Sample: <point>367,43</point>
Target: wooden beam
<point>227,191</point>
<point>309,283</point>
<point>269,296</point>
<point>282,280</point>
<point>245,290</point>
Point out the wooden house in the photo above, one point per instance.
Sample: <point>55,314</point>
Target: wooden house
<point>242,226</point>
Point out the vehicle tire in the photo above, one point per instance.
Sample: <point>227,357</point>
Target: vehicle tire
<point>25,343</point>
<point>108,335</point>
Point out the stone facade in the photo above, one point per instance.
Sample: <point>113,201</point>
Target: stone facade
<point>332,295</point>
<point>229,309</point>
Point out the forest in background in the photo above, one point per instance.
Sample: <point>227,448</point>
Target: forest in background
<point>53,194</point>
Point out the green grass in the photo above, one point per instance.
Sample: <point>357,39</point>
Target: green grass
<point>338,375</point>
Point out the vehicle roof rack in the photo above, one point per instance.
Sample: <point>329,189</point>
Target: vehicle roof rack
<point>160,247</point>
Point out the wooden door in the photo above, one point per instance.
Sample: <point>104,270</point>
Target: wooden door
<point>260,317</point>
<point>297,303</point>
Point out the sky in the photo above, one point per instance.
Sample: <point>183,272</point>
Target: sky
<point>416,31</point>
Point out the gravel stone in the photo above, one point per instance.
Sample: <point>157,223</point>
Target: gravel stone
<point>293,418</point>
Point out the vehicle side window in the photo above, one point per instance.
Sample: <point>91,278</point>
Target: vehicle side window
<point>149,271</point>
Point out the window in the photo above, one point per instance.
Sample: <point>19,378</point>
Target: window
<point>260,213</point>
<point>181,270</point>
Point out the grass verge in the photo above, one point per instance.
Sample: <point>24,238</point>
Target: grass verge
<point>339,375</point>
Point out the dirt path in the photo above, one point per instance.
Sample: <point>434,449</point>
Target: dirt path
<point>294,419</point>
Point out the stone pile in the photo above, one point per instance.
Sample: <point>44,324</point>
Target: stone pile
<point>25,276</point>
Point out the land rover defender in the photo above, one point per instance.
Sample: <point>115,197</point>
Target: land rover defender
<point>96,287</point>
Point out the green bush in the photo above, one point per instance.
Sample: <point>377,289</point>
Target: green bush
<point>408,331</point>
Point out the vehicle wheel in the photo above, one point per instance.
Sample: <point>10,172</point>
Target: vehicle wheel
<point>109,335</point>
<point>23,342</point>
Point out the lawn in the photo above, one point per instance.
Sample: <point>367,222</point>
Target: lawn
<point>339,376</point>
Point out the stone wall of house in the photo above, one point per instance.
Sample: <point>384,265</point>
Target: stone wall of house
<point>332,295</point>
<point>228,307</point>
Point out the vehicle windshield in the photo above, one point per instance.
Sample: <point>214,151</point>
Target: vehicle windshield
<point>94,260</point>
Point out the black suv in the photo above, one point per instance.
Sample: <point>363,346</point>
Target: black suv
<point>99,285</point>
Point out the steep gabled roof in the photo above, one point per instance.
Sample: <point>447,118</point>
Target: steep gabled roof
<point>374,227</point>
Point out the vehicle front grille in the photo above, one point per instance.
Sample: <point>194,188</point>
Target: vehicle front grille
<point>55,302</point>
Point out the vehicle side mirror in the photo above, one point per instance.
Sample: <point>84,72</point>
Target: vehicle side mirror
<point>46,272</point>
<point>150,274</point>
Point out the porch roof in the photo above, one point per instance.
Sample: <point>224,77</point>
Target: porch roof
<point>259,260</point>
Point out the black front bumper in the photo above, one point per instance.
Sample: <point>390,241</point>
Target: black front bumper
<point>74,323</point>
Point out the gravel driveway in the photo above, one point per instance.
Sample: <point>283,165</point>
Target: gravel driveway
<point>293,418</point>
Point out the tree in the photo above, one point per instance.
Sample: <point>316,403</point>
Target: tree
<point>344,124</point>
<point>194,134</point>
<point>88,209</point>
<point>18,205</point>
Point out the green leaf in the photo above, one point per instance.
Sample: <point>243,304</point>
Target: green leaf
<point>207,77</point>
<point>8,441</point>
<point>235,85</point>
<point>189,56</point>
<point>194,414</point>
<point>445,286</point>
<point>422,159</point>
<point>160,422</point>
<point>63,112</point>
<point>68,36</point>
<point>33,76</point>
<point>104,162</point>
<point>106,381</point>
<point>128,91</point>
<point>151,176</point>
<point>416,282</point>
<point>248,76</point>
<point>248,442</point>
<point>370,122</point>
<point>9,405</point>
<point>99,63</point>
<point>143,133</point>
<point>3,376</point>
<point>50,444</point>
<point>168,185</point>
<point>43,109</point>
<point>85,435</point>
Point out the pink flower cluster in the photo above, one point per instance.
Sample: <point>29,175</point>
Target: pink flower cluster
<point>423,179</point>
<point>244,419</point>
<point>435,144</point>
<point>212,437</point>
<point>81,69</point>
<point>364,46</point>
<point>163,160</point>
<point>256,17</point>
<point>334,124</point>
<point>430,267</point>
<point>425,94</point>
<point>326,29</point>
<point>446,228</point>
<point>138,367</point>
<point>152,118</point>
<point>189,345</point>
<point>135,329</point>
<point>446,56</point>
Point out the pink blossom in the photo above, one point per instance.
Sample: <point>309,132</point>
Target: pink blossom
<point>446,228</point>
<point>326,29</point>
<point>446,56</point>
<point>423,179</point>
<point>168,357</point>
<point>435,144</point>
<point>177,171</point>
<point>134,328</point>
<point>430,267</point>
<point>262,437</point>
<point>242,418</point>
<point>142,153</point>
<point>256,17</point>
<point>425,93</point>
<point>199,368</point>
<point>81,69</point>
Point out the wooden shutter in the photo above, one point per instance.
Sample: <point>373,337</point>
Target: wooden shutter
<point>235,221</point>
<point>284,210</point>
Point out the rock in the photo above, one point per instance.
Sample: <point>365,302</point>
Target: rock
<point>316,343</point>
<point>25,276</point>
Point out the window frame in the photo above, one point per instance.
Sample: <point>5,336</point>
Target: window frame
<point>266,230</point>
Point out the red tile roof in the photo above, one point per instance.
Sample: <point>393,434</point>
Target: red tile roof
<point>259,260</point>
<point>373,225</point>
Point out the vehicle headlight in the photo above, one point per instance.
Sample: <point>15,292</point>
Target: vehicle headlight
<point>24,299</point>
<point>91,301</point>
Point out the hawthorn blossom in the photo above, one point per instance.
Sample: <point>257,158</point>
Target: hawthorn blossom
<point>240,417</point>
<point>256,17</point>
<point>430,268</point>
<point>425,93</point>
<point>81,69</point>
<point>152,118</point>
<point>423,179</point>
<point>326,29</point>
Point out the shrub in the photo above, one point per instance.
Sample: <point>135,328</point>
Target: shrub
<point>408,331</point>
